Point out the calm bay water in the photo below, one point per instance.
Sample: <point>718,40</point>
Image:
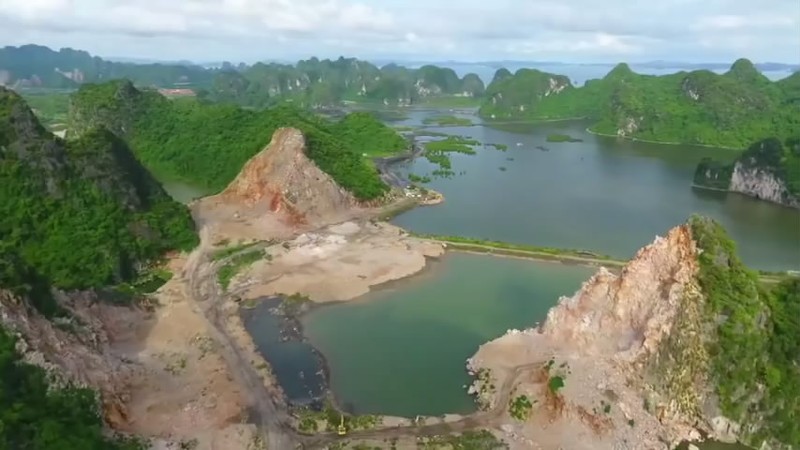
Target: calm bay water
<point>603,194</point>
<point>402,350</point>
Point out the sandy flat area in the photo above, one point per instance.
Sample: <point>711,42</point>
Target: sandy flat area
<point>336,263</point>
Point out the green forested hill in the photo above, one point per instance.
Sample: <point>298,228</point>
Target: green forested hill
<point>315,83</point>
<point>781,159</point>
<point>754,354</point>
<point>38,66</point>
<point>207,144</point>
<point>78,214</point>
<point>733,109</point>
<point>308,83</point>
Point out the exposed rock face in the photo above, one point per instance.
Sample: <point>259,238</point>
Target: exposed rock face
<point>79,350</point>
<point>615,342</point>
<point>282,178</point>
<point>762,184</point>
<point>628,315</point>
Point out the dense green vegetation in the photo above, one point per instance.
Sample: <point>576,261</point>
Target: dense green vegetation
<point>309,83</point>
<point>50,107</point>
<point>207,144</point>
<point>700,107</point>
<point>78,214</point>
<point>562,138</point>
<point>770,155</point>
<point>36,415</point>
<point>37,66</point>
<point>455,144</point>
<point>364,134</point>
<point>444,120</point>
<point>437,153</point>
<point>755,355</point>
<point>316,83</point>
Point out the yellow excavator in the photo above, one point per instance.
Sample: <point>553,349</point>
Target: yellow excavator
<point>341,430</point>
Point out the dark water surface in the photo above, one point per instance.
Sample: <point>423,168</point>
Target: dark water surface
<point>296,365</point>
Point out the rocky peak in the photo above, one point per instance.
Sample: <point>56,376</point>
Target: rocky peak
<point>17,121</point>
<point>630,313</point>
<point>609,335</point>
<point>744,70</point>
<point>283,179</point>
<point>501,75</point>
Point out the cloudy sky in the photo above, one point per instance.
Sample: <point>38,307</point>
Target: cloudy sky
<point>465,30</point>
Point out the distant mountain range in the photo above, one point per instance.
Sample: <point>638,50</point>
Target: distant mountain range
<point>311,82</point>
<point>308,83</point>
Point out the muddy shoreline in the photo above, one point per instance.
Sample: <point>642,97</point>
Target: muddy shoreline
<point>290,314</point>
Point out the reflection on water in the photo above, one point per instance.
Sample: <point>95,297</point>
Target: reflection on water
<point>604,194</point>
<point>183,192</point>
<point>402,350</point>
<point>296,365</point>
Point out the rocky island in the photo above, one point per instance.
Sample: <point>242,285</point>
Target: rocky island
<point>768,170</point>
<point>733,109</point>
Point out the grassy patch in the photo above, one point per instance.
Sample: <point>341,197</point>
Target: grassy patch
<point>469,440</point>
<point>520,407</point>
<point>562,138</point>
<point>555,384</point>
<point>501,147</point>
<point>476,244</point>
<point>447,120</point>
<point>418,179</point>
<point>430,133</point>
<point>235,265</point>
<point>146,282</point>
<point>437,152</point>
<point>226,252</point>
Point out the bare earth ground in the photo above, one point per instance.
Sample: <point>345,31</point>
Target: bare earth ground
<point>204,372</point>
<point>336,263</point>
<point>186,392</point>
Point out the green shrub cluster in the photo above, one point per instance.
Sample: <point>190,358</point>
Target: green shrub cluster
<point>755,351</point>
<point>78,214</point>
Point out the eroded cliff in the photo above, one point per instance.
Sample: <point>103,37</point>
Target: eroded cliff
<point>767,170</point>
<point>282,180</point>
<point>76,348</point>
<point>648,357</point>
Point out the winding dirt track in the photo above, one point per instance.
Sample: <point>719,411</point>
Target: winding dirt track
<point>270,413</point>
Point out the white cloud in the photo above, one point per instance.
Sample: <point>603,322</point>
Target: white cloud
<point>734,22</point>
<point>472,29</point>
<point>593,44</point>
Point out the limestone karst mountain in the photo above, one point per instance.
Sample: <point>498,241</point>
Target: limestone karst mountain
<point>684,341</point>
<point>283,180</point>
